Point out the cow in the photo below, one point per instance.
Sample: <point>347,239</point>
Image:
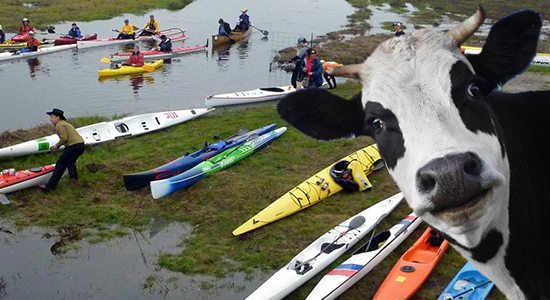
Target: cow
<point>472,161</point>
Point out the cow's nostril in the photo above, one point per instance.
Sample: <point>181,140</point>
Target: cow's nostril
<point>472,165</point>
<point>427,183</point>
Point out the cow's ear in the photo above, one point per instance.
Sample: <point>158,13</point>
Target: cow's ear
<point>323,115</point>
<point>510,47</point>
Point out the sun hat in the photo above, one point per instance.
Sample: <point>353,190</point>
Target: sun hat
<point>57,112</point>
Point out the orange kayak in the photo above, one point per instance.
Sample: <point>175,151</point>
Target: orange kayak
<point>413,268</point>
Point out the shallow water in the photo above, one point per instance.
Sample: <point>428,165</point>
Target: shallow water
<point>69,79</point>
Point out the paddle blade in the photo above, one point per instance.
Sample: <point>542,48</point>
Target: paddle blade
<point>356,222</point>
<point>105,59</point>
<point>265,32</point>
<point>148,68</point>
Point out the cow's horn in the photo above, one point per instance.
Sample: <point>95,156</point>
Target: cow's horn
<point>349,71</point>
<point>468,27</point>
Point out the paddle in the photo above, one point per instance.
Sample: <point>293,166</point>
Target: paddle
<point>374,229</point>
<point>354,224</point>
<point>446,296</point>
<point>264,32</point>
<point>145,67</point>
<point>4,199</point>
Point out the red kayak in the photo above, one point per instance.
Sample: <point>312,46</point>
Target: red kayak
<point>21,38</point>
<point>113,41</point>
<point>153,54</point>
<point>18,180</point>
<point>67,40</point>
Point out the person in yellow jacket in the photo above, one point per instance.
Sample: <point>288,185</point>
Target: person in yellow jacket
<point>326,65</point>
<point>74,148</point>
<point>151,28</point>
<point>127,31</point>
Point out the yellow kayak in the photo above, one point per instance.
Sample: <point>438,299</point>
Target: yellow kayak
<point>10,45</point>
<point>126,70</point>
<point>311,191</point>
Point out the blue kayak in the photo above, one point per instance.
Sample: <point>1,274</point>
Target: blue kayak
<point>468,284</point>
<point>161,188</point>
<point>139,180</point>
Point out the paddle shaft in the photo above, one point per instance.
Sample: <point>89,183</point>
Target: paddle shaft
<point>264,32</point>
<point>470,289</point>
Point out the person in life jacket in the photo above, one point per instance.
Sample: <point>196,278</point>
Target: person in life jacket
<point>165,44</point>
<point>151,28</point>
<point>2,35</point>
<point>350,176</point>
<point>136,59</point>
<point>127,31</point>
<point>244,21</point>
<point>32,44</point>
<point>328,78</point>
<point>74,32</point>
<point>25,28</point>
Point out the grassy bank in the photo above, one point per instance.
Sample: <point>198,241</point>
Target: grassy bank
<point>45,12</point>
<point>218,204</point>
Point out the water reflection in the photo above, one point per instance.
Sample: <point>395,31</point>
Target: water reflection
<point>34,66</point>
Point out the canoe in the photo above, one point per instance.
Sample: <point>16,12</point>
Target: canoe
<point>322,252</point>
<point>161,188</point>
<point>22,180</point>
<point>312,191</point>
<point>541,59</point>
<point>235,37</point>
<point>108,131</point>
<point>139,180</point>
<point>128,70</point>
<point>172,33</point>
<point>364,259</point>
<point>66,40</point>
<point>412,269</point>
<point>153,54</point>
<point>468,284</point>
<point>256,95</point>
<point>45,50</point>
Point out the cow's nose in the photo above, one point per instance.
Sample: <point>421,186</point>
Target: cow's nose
<point>452,180</point>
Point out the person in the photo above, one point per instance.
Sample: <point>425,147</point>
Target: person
<point>328,78</point>
<point>74,148</point>
<point>25,28</point>
<point>136,59</point>
<point>244,21</point>
<point>151,28</point>
<point>2,35</point>
<point>224,29</point>
<point>165,44</point>
<point>300,55</point>
<point>397,28</point>
<point>312,68</point>
<point>74,32</point>
<point>32,44</point>
<point>127,31</point>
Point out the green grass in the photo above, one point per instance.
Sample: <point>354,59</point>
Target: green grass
<point>218,204</point>
<point>46,12</point>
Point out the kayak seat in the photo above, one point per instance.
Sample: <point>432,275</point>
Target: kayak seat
<point>121,127</point>
<point>329,247</point>
<point>273,89</point>
<point>375,242</point>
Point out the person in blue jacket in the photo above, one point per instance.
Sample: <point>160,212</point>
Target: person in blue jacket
<point>312,68</point>
<point>224,29</point>
<point>165,44</point>
<point>74,32</point>
<point>244,21</point>
<point>300,56</point>
<point>398,30</point>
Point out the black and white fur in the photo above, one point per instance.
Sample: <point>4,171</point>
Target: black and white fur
<point>472,161</point>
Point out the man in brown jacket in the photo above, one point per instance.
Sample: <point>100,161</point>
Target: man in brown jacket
<point>74,147</point>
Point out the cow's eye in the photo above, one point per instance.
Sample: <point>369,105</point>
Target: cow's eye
<point>473,90</point>
<point>377,124</point>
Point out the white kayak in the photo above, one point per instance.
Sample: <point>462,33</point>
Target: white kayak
<point>541,59</point>
<point>256,95</point>
<point>322,252</point>
<point>114,41</point>
<point>108,131</point>
<point>45,50</point>
<point>363,260</point>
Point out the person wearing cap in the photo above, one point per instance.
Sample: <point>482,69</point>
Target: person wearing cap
<point>151,28</point>
<point>127,31</point>
<point>224,28</point>
<point>397,28</point>
<point>244,21</point>
<point>165,44</point>
<point>25,27</point>
<point>74,32</point>
<point>136,59</point>
<point>74,148</point>
<point>300,56</point>
<point>32,44</point>
<point>2,35</point>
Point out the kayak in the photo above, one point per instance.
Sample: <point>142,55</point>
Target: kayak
<point>153,54</point>
<point>66,40</point>
<point>161,188</point>
<point>413,268</point>
<point>541,59</point>
<point>45,50</point>
<point>11,45</point>
<point>139,180</point>
<point>23,179</point>
<point>256,95</point>
<point>468,284</point>
<point>128,70</point>
<point>312,191</point>
<point>113,41</point>
<point>323,251</point>
<point>108,131</point>
<point>235,36</point>
<point>22,37</point>
<point>364,259</point>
